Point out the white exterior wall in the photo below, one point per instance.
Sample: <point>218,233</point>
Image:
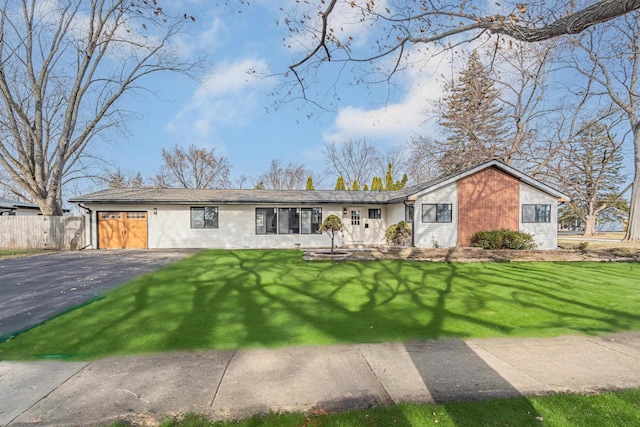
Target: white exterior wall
<point>171,228</point>
<point>445,234</point>
<point>545,234</point>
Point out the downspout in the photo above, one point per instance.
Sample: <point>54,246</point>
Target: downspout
<point>89,211</point>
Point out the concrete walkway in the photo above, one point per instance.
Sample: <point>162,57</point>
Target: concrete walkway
<point>227,384</point>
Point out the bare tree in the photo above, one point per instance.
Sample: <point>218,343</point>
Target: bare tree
<point>193,168</point>
<point>64,65</point>
<point>428,26</point>
<point>423,154</point>
<point>610,59</point>
<point>284,177</point>
<point>589,169</point>
<point>354,160</point>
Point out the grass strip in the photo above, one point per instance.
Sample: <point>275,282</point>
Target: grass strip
<point>614,409</point>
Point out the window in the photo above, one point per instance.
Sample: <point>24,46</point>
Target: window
<point>136,215</point>
<point>375,213</point>
<point>536,213</point>
<point>436,213</point>
<point>355,217</point>
<point>204,217</point>
<point>408,213</point>
<point>311,219</point>
<point>289,221</point>
<point>266,221</point>
<point>109,215</point>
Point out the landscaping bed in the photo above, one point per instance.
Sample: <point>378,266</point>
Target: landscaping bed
<point>484,255</point>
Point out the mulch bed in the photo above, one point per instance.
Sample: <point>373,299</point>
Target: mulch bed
<point>483,255</point>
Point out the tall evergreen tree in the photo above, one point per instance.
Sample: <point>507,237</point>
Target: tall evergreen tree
<point>355,186</point>
<point>376,184</point>
<point>388,180</point>
<point>340,183</point>
<point>472,119</point>
<point>310,184</point>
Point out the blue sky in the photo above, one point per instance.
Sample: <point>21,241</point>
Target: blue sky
<point>229,110</point>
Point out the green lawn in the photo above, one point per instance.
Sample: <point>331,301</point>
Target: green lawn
<point>613,409</point>
<point>17,253</point>
<point>234,299</point>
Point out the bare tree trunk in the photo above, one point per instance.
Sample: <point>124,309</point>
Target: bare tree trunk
<point>589,225</point>
<point>633,228</point>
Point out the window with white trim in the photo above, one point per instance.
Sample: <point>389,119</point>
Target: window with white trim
<point>536,213</point>
<point>437,212</point>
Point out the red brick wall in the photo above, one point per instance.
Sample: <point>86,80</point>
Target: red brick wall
<point>487,200</point>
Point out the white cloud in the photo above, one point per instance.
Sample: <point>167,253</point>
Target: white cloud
<point>393,123</point>
<point>228,96</point>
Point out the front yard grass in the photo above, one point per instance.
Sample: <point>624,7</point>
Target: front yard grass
<point>613,409</point>
<point>18,253</point>
<point>258,298</point>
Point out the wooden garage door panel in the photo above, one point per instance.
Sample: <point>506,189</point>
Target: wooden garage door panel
<point>122,230</point>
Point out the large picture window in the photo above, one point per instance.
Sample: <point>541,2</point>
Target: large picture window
<point>440,212</point>
<point>204,217</point>
<point>311,220</point>
<point>536,213</point>
<point>288,220</point>
<point>266,221</point>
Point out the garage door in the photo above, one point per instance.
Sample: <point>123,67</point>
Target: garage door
<point>122,230</point>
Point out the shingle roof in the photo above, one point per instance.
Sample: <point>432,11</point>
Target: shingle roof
<point>189,196</point>
<point>12,204</point>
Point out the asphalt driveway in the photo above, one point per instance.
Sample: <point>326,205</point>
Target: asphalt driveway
<point>33,289</point>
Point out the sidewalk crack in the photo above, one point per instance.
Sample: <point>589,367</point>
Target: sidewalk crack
<point>389,398</point>
<point>222,378</point>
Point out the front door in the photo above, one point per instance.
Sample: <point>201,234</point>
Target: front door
<point>354,226</point>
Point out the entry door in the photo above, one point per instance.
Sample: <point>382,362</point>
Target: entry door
<point>355,225</point>
<point>122,230</point>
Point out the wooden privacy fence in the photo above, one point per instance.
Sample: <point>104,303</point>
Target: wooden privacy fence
<point>42,232</point>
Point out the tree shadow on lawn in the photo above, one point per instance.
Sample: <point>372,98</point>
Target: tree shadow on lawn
<point>453,372</point>
<point>235,299</point>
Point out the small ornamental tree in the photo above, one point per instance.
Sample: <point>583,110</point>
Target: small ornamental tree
<point>332,225</point>
<point>340,183</point>
<point>398,234</point>
<point>355,186</point>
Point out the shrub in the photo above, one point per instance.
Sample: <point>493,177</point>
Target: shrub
<point>503,239</point>
<point>398,234</point>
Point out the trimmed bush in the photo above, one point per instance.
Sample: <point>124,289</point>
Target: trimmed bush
<point>332,225</point>
<point>503,239</point>
<point>398,234</point>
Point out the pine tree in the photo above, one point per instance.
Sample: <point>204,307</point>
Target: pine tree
<point>355,186</point>
<point>376,184</point>
<point>310,184</point>
<point>472,119</point>
<point>137,181</point>
<point>365,188</point>
<point>340,183</point>
<point>259,186</point>
<point>402,183</point>
<point>388,180</point>
<point>116,179</point>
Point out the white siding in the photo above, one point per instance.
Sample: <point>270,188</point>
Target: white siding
<point>544,234</point>
<point>171,228</point>
<point>445,234</point>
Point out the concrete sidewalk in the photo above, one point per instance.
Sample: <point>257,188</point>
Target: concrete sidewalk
<point>227,384</point>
